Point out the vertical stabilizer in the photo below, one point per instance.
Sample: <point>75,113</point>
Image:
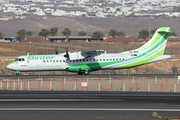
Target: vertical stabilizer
<point>158,40</point>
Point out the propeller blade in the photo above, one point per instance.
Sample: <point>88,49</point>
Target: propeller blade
<point>56,51</point>
<point>67,54</point>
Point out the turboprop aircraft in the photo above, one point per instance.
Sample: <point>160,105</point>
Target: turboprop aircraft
<point>84,62</point>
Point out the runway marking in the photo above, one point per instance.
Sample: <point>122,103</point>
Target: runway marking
<point>86,109</point>
<point>53,100</point>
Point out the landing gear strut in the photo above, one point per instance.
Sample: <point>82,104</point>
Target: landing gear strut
<point>17,74</point>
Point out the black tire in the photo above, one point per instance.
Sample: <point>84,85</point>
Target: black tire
<point>80,73</point>
<point>17,74</point>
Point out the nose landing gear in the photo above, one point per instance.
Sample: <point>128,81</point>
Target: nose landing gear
<point>17,73</point>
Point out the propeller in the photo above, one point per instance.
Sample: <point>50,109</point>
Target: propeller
<point>67,54</point>
<point>56,51</point>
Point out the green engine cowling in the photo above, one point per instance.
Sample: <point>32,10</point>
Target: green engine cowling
<point>87,67</point>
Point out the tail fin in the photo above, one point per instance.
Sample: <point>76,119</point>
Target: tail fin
<point>158,40</point>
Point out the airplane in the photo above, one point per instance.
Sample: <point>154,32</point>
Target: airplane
<point>83,62</point>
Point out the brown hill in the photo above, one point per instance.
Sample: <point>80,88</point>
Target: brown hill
<point>89,25</point>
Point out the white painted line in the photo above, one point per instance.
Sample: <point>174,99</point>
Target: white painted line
<point>124,87</point>
<point>110,80</point>
<point>133,80</point>
<point>14,85</point>
<point>99,86</point>
<point>74,86</point>
<point>49,100</point>
<point>174,87</point>
<point>28,85</point>
<point>148,87</point>
<point>88,109</point>
<point>21,85</point>
<point>50,85</point>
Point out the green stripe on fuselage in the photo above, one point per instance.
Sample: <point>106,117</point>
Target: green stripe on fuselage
<point>142,62</point>
<point>13,62</point>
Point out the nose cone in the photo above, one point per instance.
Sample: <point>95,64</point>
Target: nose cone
<point>9,66</point>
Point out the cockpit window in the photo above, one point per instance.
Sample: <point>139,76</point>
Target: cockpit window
<point>19,59</point>
<point>16,59</point>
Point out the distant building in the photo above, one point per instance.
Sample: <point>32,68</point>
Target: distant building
<point>121,39</point>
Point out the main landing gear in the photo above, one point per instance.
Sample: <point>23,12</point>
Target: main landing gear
<point>83,72</point>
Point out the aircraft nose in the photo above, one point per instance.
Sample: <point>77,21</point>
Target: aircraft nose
<point>9,66</point>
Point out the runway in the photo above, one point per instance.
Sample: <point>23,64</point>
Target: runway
<point>91,76</point>
<point>87,105</point>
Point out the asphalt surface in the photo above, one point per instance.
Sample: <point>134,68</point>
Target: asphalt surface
<point>89,105</point>
<point>90,76</point>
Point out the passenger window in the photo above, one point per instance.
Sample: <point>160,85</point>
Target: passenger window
<point>59,60</point>
<point>113,59</point>
<point>103,59</point>
<point>79,60</point>
<point>53,60</point>
<point>96,59</point>
<point>93,59</point>
<point>50,60</point>
<point>56,60</point>
<point>87,60</point>
<point>64,61</point>
<point>47,60</point>
<point>44,61</point>
<point>19,59</point>
<point>123,58</point>
<point>110,59</point>
<point>107,59</point>
<point>73,60</point>
<point>100,59</point>
<point>117,59</point>
<point>83,60</point>
<point>23,59</point>
<point>76,60</point>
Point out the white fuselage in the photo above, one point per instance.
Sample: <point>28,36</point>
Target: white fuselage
<point>59,62</point>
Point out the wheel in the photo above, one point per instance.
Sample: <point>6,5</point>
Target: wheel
<point>17,74</point>
<point>86,72</point>
<point>80,73</point>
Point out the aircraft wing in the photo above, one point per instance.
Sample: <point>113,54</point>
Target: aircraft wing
<point>92,53</point>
